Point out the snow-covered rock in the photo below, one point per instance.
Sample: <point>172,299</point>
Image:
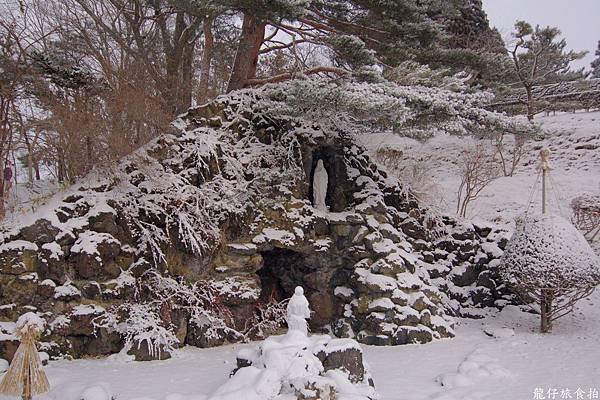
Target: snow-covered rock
<point>296,366</point>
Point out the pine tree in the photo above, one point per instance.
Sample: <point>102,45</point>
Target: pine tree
<point>540,57</point>
<point>596,64</point>
<point>359,34</point>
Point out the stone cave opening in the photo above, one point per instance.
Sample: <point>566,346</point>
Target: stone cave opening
<point>284,269</point>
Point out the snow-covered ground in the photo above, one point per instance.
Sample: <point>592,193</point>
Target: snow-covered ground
<point>574,142</point>
<point>472,366</point>
<point>23,198</point>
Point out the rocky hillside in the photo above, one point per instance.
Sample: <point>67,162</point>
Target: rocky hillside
<point>199,236</point>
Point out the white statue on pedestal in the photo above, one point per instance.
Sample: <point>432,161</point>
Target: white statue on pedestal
<point>298,311</point>
<point>320,181</point>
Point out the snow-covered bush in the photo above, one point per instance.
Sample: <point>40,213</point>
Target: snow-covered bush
<point>140,325</point>
<point>268,318</point>
<point>548,261</point>
<point>586,217</point>
<point>202,302</point>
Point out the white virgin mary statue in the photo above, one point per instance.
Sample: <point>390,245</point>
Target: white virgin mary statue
<point>298,311</point>
<point>320,181</point>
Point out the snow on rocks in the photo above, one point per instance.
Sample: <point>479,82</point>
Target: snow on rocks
<point>18,245</point>
<point>295,366</point>
<point>66,292</point>
<point>88,242</point>
<point>225,198</point>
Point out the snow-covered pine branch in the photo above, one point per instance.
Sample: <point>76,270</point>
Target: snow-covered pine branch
<point>415,111</point>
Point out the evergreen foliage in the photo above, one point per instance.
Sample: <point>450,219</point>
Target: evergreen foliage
<point>596,64</point>
<point>540,57</point>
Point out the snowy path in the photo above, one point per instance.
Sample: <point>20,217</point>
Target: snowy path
<point>509,368</point>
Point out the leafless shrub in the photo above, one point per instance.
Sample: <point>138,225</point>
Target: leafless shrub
<point>586,216</point>
<point>478,168</point>
<point>203,301</point>
<point>509,155</point>
<point>414,172</point>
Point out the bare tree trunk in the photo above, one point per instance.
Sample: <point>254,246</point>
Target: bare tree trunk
<point>185,100</point>
<point>207,56</point>
<point>246,57</point>
<point>546,311</point>
<point>61,168</point>
<point>179,53</point>
<point>29,146</point>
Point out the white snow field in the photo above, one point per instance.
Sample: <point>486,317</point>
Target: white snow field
<point>472,366</point>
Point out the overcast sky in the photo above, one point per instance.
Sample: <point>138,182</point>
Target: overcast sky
<point>579,20</point>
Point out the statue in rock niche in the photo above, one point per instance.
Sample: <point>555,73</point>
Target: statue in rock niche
<point>320,181</point>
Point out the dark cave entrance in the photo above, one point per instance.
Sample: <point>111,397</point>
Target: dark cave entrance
<point>333,161</point>
<point>317,273</point>
<point>282,271</point>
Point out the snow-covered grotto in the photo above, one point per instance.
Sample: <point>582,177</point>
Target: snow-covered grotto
<point>222,205</point>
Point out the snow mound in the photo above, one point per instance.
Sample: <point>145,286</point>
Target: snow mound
<point>475,367</point>
<point>98,392</point>
<point>295,366</point>
<point>499,333</point>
